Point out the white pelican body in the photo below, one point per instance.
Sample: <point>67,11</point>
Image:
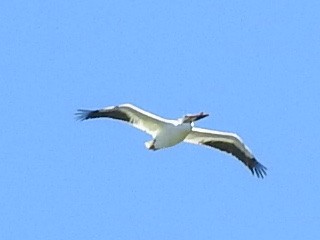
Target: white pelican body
<point>167,133</point>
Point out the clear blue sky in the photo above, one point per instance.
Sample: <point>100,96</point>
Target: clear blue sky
<point>253,65</point>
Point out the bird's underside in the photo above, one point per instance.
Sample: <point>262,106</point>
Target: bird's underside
<point>167,133</point>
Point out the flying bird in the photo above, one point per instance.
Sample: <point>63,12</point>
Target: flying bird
<point>167,133</point>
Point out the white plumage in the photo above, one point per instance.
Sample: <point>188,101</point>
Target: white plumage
<point>167,133</point>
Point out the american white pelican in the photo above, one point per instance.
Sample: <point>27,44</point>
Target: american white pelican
<point>167,133</point>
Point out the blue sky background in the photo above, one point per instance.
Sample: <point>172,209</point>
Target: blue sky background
<point>253,65</point>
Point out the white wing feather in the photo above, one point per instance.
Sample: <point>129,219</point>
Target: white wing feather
<point>145,121</point>
<point>227,142</point>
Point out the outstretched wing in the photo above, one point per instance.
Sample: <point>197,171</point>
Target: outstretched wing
<point>227,142</point>
<point>133,115</point>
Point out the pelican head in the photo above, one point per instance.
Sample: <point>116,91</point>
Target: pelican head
<point>190,118</point>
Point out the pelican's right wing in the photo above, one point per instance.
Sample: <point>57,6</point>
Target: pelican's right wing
<point>133,115</point>
<point>227,142</point>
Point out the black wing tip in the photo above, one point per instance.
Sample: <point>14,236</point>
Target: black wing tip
<point>258,169</point>
<point>83,114</point>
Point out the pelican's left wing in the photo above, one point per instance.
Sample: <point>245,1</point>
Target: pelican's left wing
<point>227,142</point>
<point>143,120</point>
